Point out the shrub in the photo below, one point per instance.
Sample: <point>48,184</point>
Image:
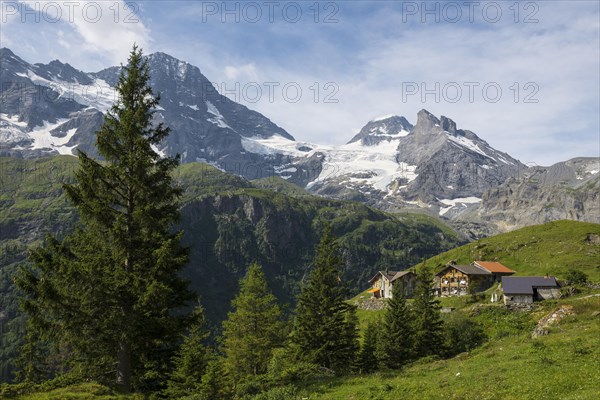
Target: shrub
<point>278,393</point>
<point>461,334</point>
<point>576,277</point>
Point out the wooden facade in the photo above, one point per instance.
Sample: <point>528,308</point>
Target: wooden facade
<point>460,280</point>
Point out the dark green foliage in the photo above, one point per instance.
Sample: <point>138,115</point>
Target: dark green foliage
<point>397,337</point>
<point>104,296</point>
<point>284,369</point>
<point>253,329</point>
<point>214,382</point>
<point>191,360</point>
<point>278,231</point>
<point>461,334</point>
<point>576,277</point>
<point>325,327</point>
<point>367,357</point>
<point>428,325</point>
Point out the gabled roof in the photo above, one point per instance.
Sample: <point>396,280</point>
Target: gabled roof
<point>389,275</point>
<point>466,269</point>
<point>526,284</point>
<point>494,267</point>
<point>401,274</point>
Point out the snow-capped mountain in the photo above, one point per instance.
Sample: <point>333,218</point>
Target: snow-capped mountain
<point>390,163</point>
<point>53,108</point>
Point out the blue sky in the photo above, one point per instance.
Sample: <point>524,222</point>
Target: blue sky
<point>358,60</point>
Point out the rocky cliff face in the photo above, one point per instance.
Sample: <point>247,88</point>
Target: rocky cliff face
<point>566,190</point>
<point>54,108</point>
<point>451,163</point>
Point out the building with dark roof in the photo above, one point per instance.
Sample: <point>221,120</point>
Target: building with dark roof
<point>527,289</point>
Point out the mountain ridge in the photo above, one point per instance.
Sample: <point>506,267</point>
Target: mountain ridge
<point>432,166</point>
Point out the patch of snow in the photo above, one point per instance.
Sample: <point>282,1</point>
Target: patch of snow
<point>42,139</point>
<point>13,120</point>
<point>218,120</point>
<point>469,144</point>
<point>182,69</point>
<point>160,152</point>
<point>347,163</point>
<point>462,202</point>
<point>99,94</point>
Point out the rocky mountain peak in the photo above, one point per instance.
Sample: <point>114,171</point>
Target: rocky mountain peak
<point>387,128</point>
<point>448,125</point>
<point>56,70</point>
<point>427,123</point>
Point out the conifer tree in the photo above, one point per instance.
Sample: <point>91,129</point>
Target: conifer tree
<point>428,325</point>
<point>324,333</point>
<point>108,292</point>
<point>191,360</point>
<point>397,335</point>
<point>253,329</point>
<point>213,385</point>
<point>367,357</point>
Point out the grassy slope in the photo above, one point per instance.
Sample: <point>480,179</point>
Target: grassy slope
<point>562,365</point>
<point>512,365</point>
<point>551,248</point>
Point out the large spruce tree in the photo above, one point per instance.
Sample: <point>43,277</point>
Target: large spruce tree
<point>324,331</point>
<point>397,336</point>
<point>252,330</point>
<point>427,323</point>
<point>105,296</point>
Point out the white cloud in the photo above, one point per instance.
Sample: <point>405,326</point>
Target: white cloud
<point>243,72</point>
<point>102,32</point>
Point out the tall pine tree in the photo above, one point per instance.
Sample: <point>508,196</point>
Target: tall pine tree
<point>108,292</point>
<point>428,325</point>
<point>397,336</point>
<point>324,330</point>
<point>253,330</point>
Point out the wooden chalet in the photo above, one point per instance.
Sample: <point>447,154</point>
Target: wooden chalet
<point>383,282</point>
<point>459,280</point>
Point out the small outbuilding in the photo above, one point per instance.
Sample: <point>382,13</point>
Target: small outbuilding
<point>527,289</point>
